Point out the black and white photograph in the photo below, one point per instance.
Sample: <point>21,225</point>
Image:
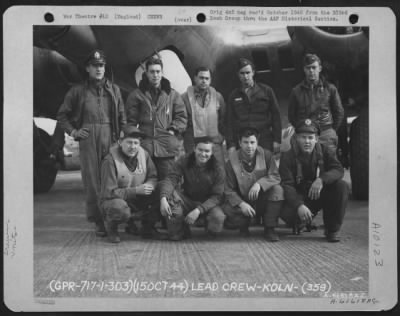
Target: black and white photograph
<point>183,155</point>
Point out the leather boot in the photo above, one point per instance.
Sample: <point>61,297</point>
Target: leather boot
<point>112,232</point>
<point>270,234</point>
<point>100,229</point>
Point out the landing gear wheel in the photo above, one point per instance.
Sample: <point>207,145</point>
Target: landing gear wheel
<point>45,167</point>
<point>359,156</point>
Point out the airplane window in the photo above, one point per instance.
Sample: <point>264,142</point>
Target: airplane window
<point>174,71</point>
<point>261,61</point>
<point>286,58</point>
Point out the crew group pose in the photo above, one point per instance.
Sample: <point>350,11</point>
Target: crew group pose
<point>142,179</point>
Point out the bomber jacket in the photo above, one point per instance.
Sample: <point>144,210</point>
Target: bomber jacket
<point>70,114</point>
<point>295,188</point>
<point>260,111</point>
<point>321,103</point>
<point>155,119</point>
<point>201,184</point>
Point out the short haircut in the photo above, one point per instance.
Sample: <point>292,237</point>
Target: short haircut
<point>247,132</point>
<point>310,59</point>
<point>153,61</point>
<point>202,68</point>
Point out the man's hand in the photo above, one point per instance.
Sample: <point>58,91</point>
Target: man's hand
<point>304,214</point>
<point>144,189</point>
<point>192,216</point>
<point>165,208</point>
<point>315,190</point>
<point>254,191</point>
<point>79,134</point>
<point>247,210</point>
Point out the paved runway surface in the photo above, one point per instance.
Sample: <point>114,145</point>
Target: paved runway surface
<point>67,250</point>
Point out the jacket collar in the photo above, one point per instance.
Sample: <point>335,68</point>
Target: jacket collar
<point>306,85</point>
<point>144,85</point>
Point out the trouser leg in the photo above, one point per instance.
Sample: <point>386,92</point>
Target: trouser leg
<point>163,165</point>
<point>234,217</point>
<point>176,226</point>
<point>115,212</point>
<point>329,138</point>
<point>334,199</point>
<point>271,203</point>
<point>215,219</point>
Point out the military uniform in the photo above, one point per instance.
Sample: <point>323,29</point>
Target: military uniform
<point>120,177</point>
<point>202,188</point>
<point>98,107</point>
<point>241,175</point>
<point>299,171</point>
<point>319,102</point>
<point>206,117</point>
<point>156,111</point>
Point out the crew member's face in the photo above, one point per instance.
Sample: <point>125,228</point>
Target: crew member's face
<point>203,152</point>
<point>202,80</point>
<point>312,71</point>
<point>130,146</point>
<point>246,75</point>
<point>249,145</point>
<point>306,142</point>
<point>154,74</point>
<point>96,72</point>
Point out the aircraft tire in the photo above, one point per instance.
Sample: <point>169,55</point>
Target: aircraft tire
<point>45,168</point>
<point>359,156</point>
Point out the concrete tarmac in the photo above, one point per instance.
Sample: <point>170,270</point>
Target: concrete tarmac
<point>70,261</point>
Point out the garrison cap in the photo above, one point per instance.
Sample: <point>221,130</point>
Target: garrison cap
<point>131,131</point>
<point>310,58</point>
<point>307,126</point>
<point>96,57</point>
<point>243,62</point>
<point>202,139</point>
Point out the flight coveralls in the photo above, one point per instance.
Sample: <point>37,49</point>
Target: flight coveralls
<point>99,108</point>
<point>240,177</point>
<point>202,188</point>
<point>298,172</point>
<point>258,108</point>
<point>206,117</point>
<point>120,175</point>
<point>320,103</point>
<point>156,111</point>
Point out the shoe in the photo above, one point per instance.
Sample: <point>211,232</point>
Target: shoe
<point>154,234</point>
<point>332,236</point>
<point>244,231</point>
<point>100,229</point>
<point>131,228</point>
<point>270,234</point>
<point>112,232</point>
<point>187,233</point>
<point>211,234</point>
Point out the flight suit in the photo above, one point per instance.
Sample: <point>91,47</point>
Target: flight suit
<point>202,188</point>
<point>119,178</point>
<point>298,173</point>
<point>99,108</point>
<point>240,178</point>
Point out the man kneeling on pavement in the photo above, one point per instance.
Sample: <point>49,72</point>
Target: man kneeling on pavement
<point>128,184</point>
<point>252,185</point>
<point>200,195</point>
<point>312,180</point>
